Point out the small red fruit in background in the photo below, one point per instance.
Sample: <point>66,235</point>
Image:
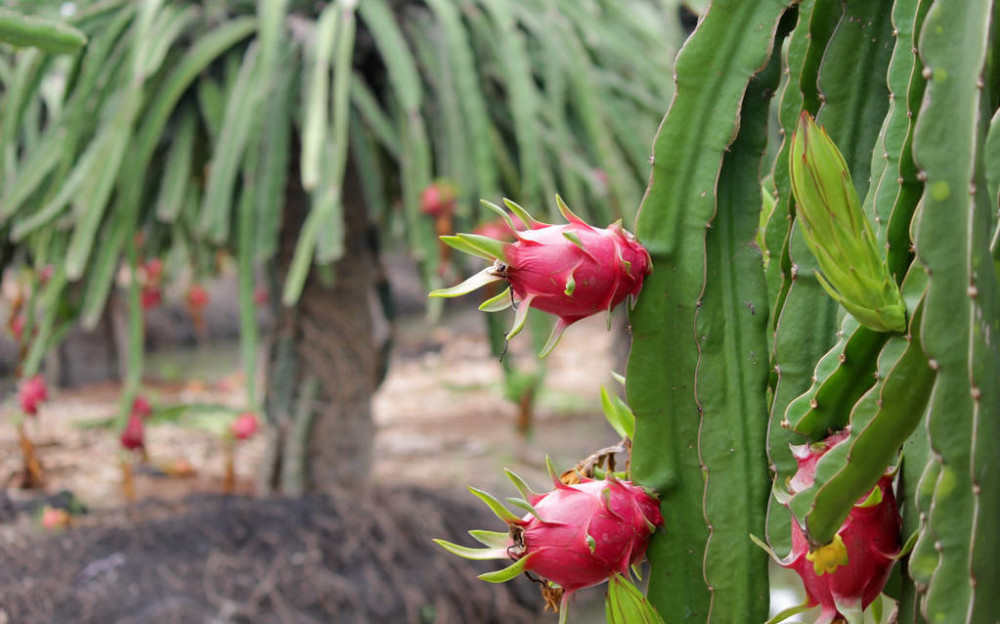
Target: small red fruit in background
<point>154,270</point>
<point>142,407</point>
<point>33,393</point>
<point>438,199</point>
<point>55,518</point>
<point>45,274</point>
<point>197,296</point>
<point>261,296</point>
<point>245,426</point>
<point>150,297</point>
<point>16,325</point>
<point>133,435</point>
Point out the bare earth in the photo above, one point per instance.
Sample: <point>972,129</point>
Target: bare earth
<point>442,424</point>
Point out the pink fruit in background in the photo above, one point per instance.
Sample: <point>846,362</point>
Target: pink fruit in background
<point>133,435</point>
<point>245,426</point>
<point>499,229</point>
<point>438,199</point>
<point>261,296</point>
<point>154,269</point>
<point>54,518</point>
<point>33,392</point>
<point>16,325</point>
<point>142,407</point>
<point>572,270</point>
<point>197,296</point>
<point>848,574</point>
<point>45,274</point>
<point>150,297</point>
<point>576,535</point>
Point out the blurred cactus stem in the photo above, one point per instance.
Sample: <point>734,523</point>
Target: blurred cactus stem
<point>837,232</point>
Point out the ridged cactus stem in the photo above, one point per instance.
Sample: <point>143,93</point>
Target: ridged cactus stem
<point>686,390</point>
<point>957,553</point>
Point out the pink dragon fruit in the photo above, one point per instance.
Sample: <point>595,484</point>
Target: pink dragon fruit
<point>33,392</point>
<point>142,407</point>
<point>438,198</point>
<point>133,435</point>
<point>845,576</point>
<point>575,536</point>
<point>572,270</point>
<point>244,427</point>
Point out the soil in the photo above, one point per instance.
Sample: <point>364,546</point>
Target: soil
<point>184,553</point>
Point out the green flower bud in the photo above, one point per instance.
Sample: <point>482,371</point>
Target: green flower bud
<point>837,232</point>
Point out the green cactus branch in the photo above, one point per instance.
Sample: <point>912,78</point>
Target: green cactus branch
<point>732,371</point>
<point>688,156</point>
<point>961,311</point>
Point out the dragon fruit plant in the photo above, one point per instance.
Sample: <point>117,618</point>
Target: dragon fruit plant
<point>575,536</point>
<point>572,271</point>
<point>822,214</point>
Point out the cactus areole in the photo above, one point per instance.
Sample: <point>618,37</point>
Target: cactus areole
<point>575,536</point>
<point>845,576</point>
<point>572,270</point>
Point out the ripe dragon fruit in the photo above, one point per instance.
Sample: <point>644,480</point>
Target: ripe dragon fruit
<point>572,270</point>
<point>142,407</point>
<point>33,392</point>
<point>244,426</point>
<point>575,536</point>
<point>197,296</point>
<point>438,199</point>
<point>133,435</point>
<point>844,577</point>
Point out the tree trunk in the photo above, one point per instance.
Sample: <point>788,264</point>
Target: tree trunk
<point>323,360</point>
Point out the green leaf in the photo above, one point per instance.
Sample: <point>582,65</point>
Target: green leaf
<point>46,35</point>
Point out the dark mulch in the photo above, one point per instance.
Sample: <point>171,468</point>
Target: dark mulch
<point>217,559</point>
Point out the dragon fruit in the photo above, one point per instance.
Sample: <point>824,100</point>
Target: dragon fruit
<point>844,577</point>
<point>438,199</point>
<point>197,296</point>
<point>575,536</point>
<point>244,426</point>
<point>33,392</point>
<point>133,435</point>
<point>150,297</point>
<point>572,271</point>
<point>142,407</point>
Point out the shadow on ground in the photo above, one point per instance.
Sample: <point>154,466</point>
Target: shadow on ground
<point>219,559</point>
